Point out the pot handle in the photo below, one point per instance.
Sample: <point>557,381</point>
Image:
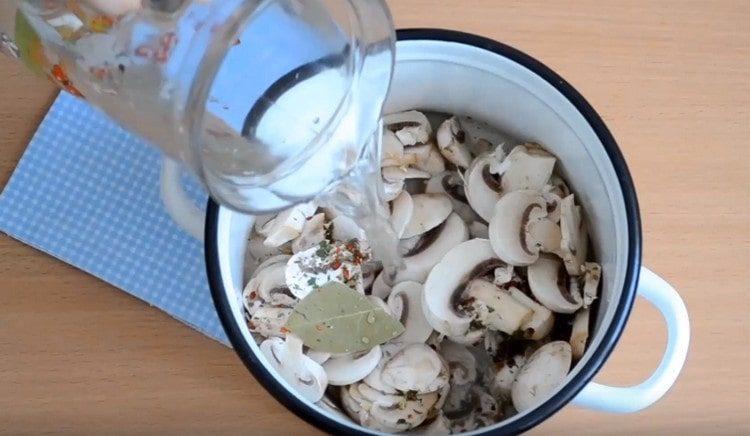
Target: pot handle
<point>634,398</point>
<point>180,207</point>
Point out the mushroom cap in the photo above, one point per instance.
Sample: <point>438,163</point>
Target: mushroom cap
<point>542,373</point>
<point>405,303</point>
<point>431,248</point>
<point>575,241</point>
<point>509,226</point>
<point>579,335</point>
<point>416,367</point>
<point>402,209</point>
<point>461,363</point>
<point>483,190</point>
<point>429,211</point>
<point>447,280</point>
<point>550,285</point>
<point>451,140</point>
<point>527,167</point>
<point>350,369</point>
<point>304,375</point>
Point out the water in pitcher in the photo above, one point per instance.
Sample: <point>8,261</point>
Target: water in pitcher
<point>270,103</point>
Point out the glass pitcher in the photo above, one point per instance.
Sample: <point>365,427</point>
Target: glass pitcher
<point>269,103</point>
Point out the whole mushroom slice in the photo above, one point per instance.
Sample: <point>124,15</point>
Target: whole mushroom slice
<point>304,375</point>
<point>545,235</point>
<point>496,308</point>
<point>423,252</point>
<point>417,367</point>
<point>575,240</point>
<point>541,322</point>
<point>318,356</point>
<point>451,140</point>
<point>592,273</point>
<point>313,233</point>
<point>346,370</point>
<point>527,166</point>
<point>446,282</point>
<point>461,363</point>
<point>405,303</point>
<point>269,321</point>
<point>483,189</point>
<point>429,211</point>
<point>395,177</point>
<point>411,127</point>
<point>514,216</point>
<point>450,183</point>
<point>402,209</point>
<point>377,397</point>
<point>355,406</point>
<point>506,375</point>
<point>542,373</point>
<point>550,285</point>
<point>287,225</point>
<point>580,333</point>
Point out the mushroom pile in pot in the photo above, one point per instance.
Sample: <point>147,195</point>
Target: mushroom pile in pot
<point>494,298</point>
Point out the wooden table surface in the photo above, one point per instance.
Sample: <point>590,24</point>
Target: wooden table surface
<point>671,79</point>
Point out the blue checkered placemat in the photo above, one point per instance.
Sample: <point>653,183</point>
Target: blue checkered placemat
<point>87,192</point>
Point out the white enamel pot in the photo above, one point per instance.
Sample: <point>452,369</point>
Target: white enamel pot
<point>464,74</point>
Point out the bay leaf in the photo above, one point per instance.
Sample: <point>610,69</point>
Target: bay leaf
<point>337,319</point>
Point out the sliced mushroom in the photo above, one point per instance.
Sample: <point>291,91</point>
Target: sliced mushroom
<point>302,373</point>
<point>411,127</point>
<point>318,356</point>
<point>402,209</point>
<point>506,375</point>
<point>313,233</point>
<point>481,136</point>
<point>269,283</point>
<point>438,426</point>
<point>394,178</point>
<point>515,214</point>
<point>430,248</point>
<point>471,337</point>
<point>580,333</point>
<point>545,235</point>
<point>355,406</point>
<point>575,241</point>
<point>541,322</point>
<point>351,369</point>
<point>451,140</point>
<point>426,158</point>
<point>542,373</point>
<point>287,225</point>
<point>258,252</point>
<point>450,183</point>
<point>393,150</point>
<point>269,321</point>
<point>429,211</point>
<point>446,282</point>
<point>405,303</point>
<point>527,166</point>
<point>483,189</point>
<point>417,367</point>
<point>461,363</point>
<point>592,273</point>
<point>375,396</point>
<point>549,282</point>
<point>496,307</point>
